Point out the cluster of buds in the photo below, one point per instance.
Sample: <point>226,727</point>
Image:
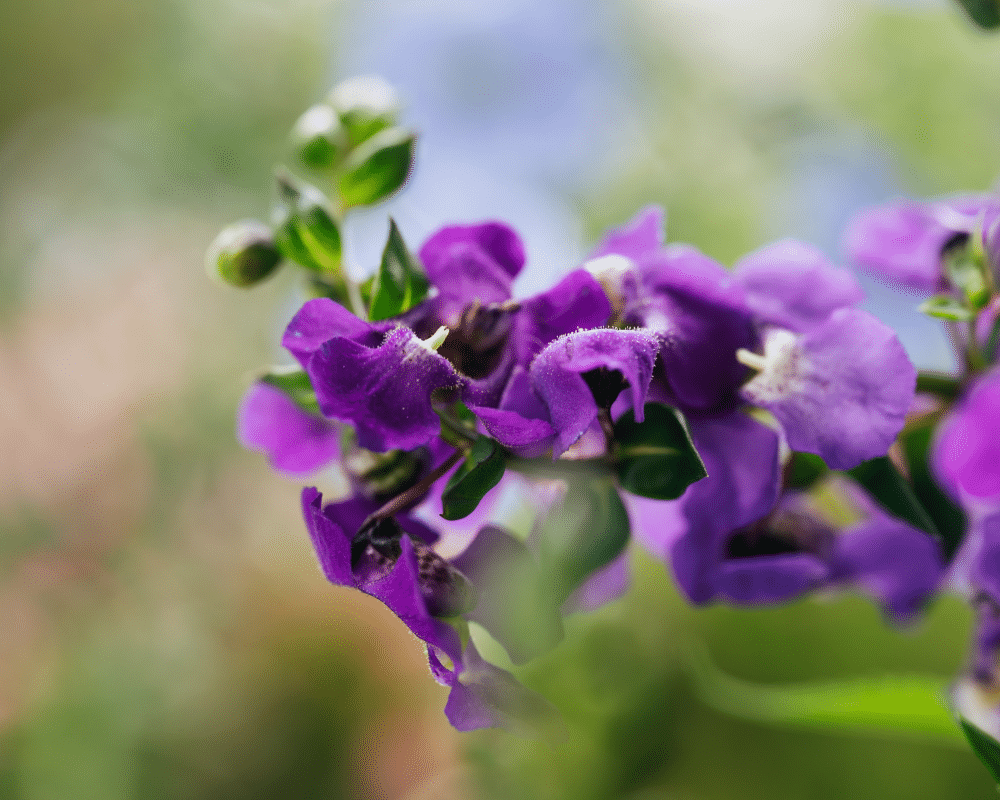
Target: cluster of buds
<point>752,427</point>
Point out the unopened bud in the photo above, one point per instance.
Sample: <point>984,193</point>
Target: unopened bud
<point>243,254</point>
<point>366,105</point>
<point>319,137</point>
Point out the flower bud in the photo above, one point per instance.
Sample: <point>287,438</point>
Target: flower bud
<point>304,228</point>
<point>366,105</point>
<point>319,137</point>
<point>377,168</point>
<point>243,254</point>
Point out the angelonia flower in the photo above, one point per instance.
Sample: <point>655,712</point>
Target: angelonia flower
<point>755,365</point>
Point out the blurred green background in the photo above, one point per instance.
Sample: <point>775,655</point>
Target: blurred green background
<point>165,630</point>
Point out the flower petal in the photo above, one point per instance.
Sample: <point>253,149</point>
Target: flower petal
<point>841,390</point>
<point>966,456</point>
<point>296,442</point>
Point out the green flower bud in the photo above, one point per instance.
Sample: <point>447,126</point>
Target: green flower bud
<point>319,137</point>
<point>243,254</point>
<point>366,104</point>
<point>378,168</point>
<point>304,228</point>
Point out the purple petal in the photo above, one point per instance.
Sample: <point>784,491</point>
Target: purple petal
<point>332,544</point>
<point>764,580</point>
<point>640,235</point>
<point>966,456</point>
<point>472,263</point>
<point>840,390</point>
<point>576,302</point>
<point>557,376</point>
<point>741,457</point>
<point>793,285</point>
<point>703,317</point>
<point>296,442</point>
<point>485,696</point>
<point>384,391</point>
<point>320,320</point>
<point>897,564</point>
<point>903,241</point>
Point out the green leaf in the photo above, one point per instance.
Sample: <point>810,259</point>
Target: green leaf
<point>884,483</point>
<point>656,457</point>
<point>400,282</point>
<point>891,705</point>
<point>947,516</point>
<point>985,13</point>
<point>243,254</point>
<point>482,470</point>
<point>586,532</point>
<point>965,266</point>
<point>305,230</point>
<point>942,306</point>
<point>803,470</point>
<point>984,746</point>
<point>378,167</point>
<point>295,383</point>
<point>944,386</point>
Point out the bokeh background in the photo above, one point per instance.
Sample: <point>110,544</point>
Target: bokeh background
<point>164,630</point>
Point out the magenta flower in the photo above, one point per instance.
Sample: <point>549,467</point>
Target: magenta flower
<point>423,589</point>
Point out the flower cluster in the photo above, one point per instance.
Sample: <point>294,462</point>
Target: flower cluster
<point>708,412</point>
<point>949,250</point>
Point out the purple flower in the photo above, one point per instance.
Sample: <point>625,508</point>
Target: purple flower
<point>560,396</point>
<point>472,268</point>
<point>398,566</point>
<point>376,376</point>
<point>296,442</point>
<point>736,536</point>
<point>903,241</point>
<point>966,455</point>
<point>836,378</point>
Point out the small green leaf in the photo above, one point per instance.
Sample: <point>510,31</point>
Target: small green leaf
<point>942,306</point>
<point>890,705</point>
<point>965,266</point>
<point>803,470</point>
<point>400,282</point>
<point>295,383</point>
<point>305,230</point>
<point>948,517</point>
<point>885,483</point>
<point>243,254</point>
<point>944,386</point>
<point>985,13</point>
<point>656,457</point>
<point>586,532</point>
<point>378,167</point>
<point>984,746</point>
<point>482,470</point>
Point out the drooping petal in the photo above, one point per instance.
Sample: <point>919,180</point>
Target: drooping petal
<point>384,391</point>
<point>521,422</point>
<point>640,235</point>
<point>793,285</point>
<point>966,456</point>
<point>557,375</point>
<point>602,587</point>
<point>331,542</point>
<point>897,564</point>
<point>296,442</point>
<point>841,390</point>
<point>741,457</point>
